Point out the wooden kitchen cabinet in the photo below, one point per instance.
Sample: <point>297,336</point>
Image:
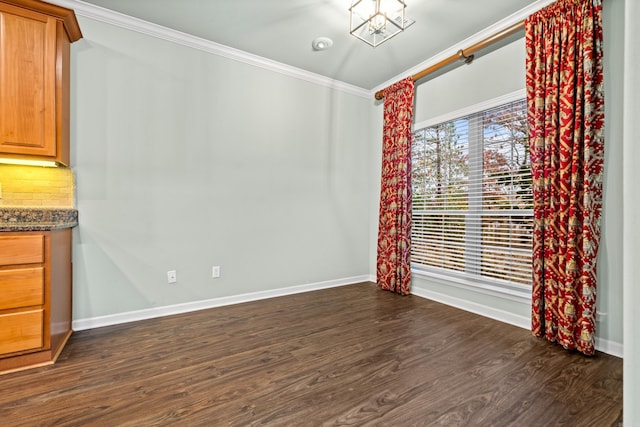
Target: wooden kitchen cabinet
<point>35,297</point>
<point>35,42</point>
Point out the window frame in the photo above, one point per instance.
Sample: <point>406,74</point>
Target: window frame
<point>512,291</point>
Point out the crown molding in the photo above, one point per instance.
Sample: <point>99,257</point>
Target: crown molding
<point>479,36</point>
<point>121,20</point>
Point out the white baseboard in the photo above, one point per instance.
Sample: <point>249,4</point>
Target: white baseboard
<point>610,347</point>
<point>473,307</point>
<point>150,313</point>
<point>605,346</point>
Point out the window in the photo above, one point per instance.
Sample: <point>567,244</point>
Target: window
<point>472,197</point>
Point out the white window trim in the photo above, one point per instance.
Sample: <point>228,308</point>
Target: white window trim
<point>472,109</point>
<point>511,291</point>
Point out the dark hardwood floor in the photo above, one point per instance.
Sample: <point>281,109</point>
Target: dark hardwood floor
<point>352,355</point>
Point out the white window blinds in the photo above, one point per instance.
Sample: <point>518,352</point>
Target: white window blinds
<point>472,197</point>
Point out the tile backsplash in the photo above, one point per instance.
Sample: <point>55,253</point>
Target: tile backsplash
<point>35,186</point>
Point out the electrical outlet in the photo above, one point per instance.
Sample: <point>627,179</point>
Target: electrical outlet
<point>172,276</point>
<point>215,271</point>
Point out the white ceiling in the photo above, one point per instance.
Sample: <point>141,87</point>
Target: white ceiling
<point>282,30</point>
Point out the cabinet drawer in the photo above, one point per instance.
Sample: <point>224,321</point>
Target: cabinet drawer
<point>21,249</point>
<point>21,331</point>
<point>21,287</point>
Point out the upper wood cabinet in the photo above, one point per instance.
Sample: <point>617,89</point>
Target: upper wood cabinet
<point>35,42</point>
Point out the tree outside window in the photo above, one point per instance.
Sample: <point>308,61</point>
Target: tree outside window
<point>472,196</point>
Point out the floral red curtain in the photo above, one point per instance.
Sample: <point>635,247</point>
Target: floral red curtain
<point>566,119</point>
<point>394,227</point>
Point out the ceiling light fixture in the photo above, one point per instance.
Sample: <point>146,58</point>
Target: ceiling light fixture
<point>376,21</point>
<point>321,43</point>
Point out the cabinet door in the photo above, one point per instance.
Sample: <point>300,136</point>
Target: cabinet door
<point>21,331</point>
<point>21,287</point>
<point>21,248</point>
<point>27,82</point>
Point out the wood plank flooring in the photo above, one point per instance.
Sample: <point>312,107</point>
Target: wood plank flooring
<point>352,355</point>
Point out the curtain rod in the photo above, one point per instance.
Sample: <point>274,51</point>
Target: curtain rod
<point>464,53</point>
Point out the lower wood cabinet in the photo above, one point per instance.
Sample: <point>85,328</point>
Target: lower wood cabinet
<point>21,331</point>
<point>35,297</point>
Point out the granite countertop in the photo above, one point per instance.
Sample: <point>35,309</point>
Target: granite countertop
<point>37,219</point>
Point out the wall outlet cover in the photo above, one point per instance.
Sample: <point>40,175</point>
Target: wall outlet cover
<point>172,276</point>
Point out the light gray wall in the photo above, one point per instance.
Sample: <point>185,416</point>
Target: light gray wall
<point>185,160</point>
<point>501,72</point>
<point>631,219</point>
<point>489,76</point>
<point>609,297</point>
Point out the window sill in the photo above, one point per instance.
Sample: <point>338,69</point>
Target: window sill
<point>513,293</point>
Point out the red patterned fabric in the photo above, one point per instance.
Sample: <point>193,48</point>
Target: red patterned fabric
<point>394,227</point>
<point>566,119</point>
